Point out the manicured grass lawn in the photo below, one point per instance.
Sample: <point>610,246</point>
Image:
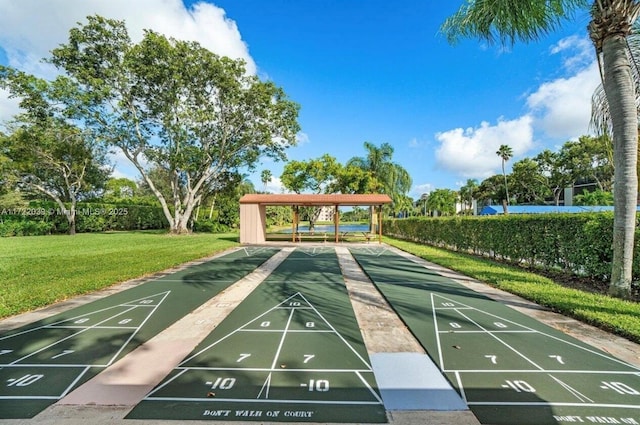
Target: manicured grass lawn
<point>614,315</point>
<point>39,270</point>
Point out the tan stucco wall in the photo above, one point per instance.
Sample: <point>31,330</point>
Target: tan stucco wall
<point>253,223</point>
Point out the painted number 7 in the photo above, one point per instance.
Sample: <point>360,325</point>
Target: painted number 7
<point>308,357</point>
<point>242,357</point>
<point>493,358</point>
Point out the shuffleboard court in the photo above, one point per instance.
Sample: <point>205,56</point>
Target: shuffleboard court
<point>508,367</point>
<point>292,351</point>
<point>42,362</point>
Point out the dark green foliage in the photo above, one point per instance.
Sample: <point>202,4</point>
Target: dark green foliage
<point>24,228</point>
<point>580,244</point>
<point>42,218</point>
<point>205,225</point>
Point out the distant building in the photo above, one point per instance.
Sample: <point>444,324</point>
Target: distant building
<point>326,213</point>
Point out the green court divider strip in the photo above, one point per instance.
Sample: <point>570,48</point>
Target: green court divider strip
<point>42,362</point>
<point>292,351</point>
<point>509,368</point>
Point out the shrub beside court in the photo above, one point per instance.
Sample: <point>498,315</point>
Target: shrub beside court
<point>578,244</point>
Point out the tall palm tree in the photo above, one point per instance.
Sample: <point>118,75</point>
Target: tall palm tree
<point>505,153</point>
<point>610,26</point>
<point>389,178</point>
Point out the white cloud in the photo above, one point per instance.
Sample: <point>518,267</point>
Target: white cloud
<point>577,51</point>
<point>419,189</point>
<point>203,22</point>
<point>302,138</point>
<point>472,152</point>
<point>8,107</point>
<point>558,109</point>
<point>273,186</point>
<point>30,29</point>
<point>562,107</point>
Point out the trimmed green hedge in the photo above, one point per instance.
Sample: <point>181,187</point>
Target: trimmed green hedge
<point>576,243</point>
<point>42,218</point>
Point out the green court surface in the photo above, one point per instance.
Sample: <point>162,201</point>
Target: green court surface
<point>290,352</point>
<point>508,367</point>
<point>42,362</point>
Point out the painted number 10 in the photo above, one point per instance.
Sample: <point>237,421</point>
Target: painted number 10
<point>519,386</point>
<point>24,381</point>
<point>321,385</point>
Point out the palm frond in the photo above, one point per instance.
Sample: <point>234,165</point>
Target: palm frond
<point>508,21</point>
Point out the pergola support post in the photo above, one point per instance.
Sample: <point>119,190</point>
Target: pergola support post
<point>336,221</point>
<point>379,224</point>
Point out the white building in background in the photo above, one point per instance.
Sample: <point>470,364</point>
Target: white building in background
<point>326,213</point>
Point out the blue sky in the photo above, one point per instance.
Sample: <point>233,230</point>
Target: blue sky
<point>362,70</point>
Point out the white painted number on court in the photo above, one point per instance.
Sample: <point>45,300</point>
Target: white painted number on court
<point>222,383</point>
<point>519,386</point>
<point>493,358</point>
<point>308,357</point>
<point>455,325</point>
<point>83,320</point>
<point>500,325</point>
<point>558,358</point>
<point>24,381</point>
<point>321,385</point>
<point>64,353</point>
<point>265,324</point>
<point>310,324</point>
<point>242,357</point>
<point>619,387</point>
<point>448,305</point>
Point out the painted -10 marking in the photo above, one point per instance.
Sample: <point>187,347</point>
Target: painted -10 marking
<point>24,381</point>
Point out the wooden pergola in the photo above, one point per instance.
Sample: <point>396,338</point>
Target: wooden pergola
<point>253,226</point>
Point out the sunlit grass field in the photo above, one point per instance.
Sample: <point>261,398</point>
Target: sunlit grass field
<point>39,270</point>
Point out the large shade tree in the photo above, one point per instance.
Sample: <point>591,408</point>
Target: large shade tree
<point>315,175</point>
<point>46,151</point>
<point>175,106</point>
<point>508,21</point>
<point>529,183</point>
<point>553,169</point>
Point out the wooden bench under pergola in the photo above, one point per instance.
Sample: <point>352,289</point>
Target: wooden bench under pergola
<point>253,207</point>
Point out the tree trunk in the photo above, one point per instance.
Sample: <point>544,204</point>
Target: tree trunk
<point>619,90</point>
<point>180,225</point>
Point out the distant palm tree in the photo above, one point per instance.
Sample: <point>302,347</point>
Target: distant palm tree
<point>265,177</point>
<point>505,152</point>
<point>467,193</point>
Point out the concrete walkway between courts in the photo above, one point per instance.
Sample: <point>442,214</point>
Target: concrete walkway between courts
<point>109,396</point>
